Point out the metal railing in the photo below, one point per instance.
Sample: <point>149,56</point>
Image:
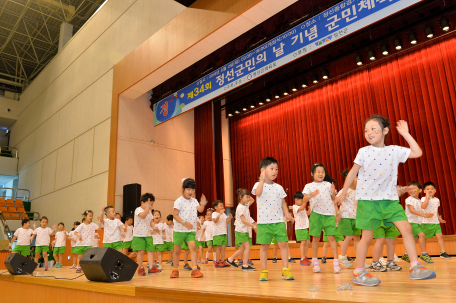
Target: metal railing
<point>14,151</point>
<point>24,198</point>
<point>33,216</point>
<point>6,196</point>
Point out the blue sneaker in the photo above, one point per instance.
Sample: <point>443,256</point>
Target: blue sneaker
<point>250,262</point>
<point>240,262</point>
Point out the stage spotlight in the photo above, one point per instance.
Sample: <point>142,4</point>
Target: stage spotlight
<point>304,82</point>
<point>384,49</point>
<point>268,97</point>
<point>285,90</point>
<point>229,113</point>
<point>397,43</point>
<point>325,74</point>
<point>413,38</point>
<point>252,103</point>
<point>294,86</point>
<point>371,54</point>
<point>276,94</point>
<point>359,59</point>
<point>245,107</point>
<point>445,24</point>
<point>236,110</point>
<point>260,101</point>
<point>429,31</point>
<point>314,78</point>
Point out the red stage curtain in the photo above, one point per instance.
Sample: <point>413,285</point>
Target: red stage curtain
<point>326,124</point>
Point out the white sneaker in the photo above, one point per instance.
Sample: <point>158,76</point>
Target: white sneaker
<point>382,261</point>
<point>396,259</point>
<point>344,261</point>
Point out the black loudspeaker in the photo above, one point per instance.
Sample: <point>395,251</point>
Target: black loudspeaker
<point>131,196</point>
<point>18,264</point>
<point>105,264</point>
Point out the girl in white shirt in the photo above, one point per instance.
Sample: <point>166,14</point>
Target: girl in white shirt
<point>43,239</point>
<point>73,239</point>
<point>157,232</point>
<point>208,233</point>
<point>60,243</point>
<point>85,234</point>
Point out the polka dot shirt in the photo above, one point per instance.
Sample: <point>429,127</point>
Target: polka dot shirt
<point>242,210</point>
<point>322,203</point>
<point>23,236</point>
<point>111,230</point>
<point>269,204</point>
<point>187,212</point>
<point>60,239</point>
<point>208,227</point>
<point>158,233</point>
<point>432,208</point>
<point>43,236</point>
<point>169,233</point>
<point>128,233</point>
<point>377,177</point>
<point>87,231</point>
<point>142,226</point>
<point>301,219</point>
<point>416,203</point>
<point>220,228</point>
<point>348,206</point>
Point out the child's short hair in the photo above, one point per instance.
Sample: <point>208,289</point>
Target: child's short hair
<point>44,218</point>
<point>77,223</point>
<point>242,192</point>
<point>25,221</point>
<point>416,183</point>
<point>170,217</point>
<point>189,183</point>
<point>61,223</point>
<point>128,218</point>
<point>146,197</point>
<point>429,183</point>
<point>327,176</point>
<point>108,207</point>
<point>298,195</point>
<point>268,161</point>
<point>383,121</point>
<point>157,211</point>
<point>216,202</point>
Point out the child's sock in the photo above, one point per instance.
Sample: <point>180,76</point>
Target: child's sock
<point>314,259</point>
<point>424,253</point>
<point>194,267</point>
<point>215,256</point>
<point>358,270</point>
<point>442,252</point>
<point>413,263</point>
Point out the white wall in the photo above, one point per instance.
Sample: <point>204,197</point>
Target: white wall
<point>155,157</point>
<point>63,125</point>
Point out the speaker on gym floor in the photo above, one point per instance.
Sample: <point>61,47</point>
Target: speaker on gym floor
<point>18,264</point>
<point>105,264</point>
<point>131,196</point>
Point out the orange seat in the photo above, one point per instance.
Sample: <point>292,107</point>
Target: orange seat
<point>18,203</point>
<point>9,202</point>
<point>11,208</point>
<point>21,209</point>
<point>3,208</point>
<point>2,202</point>
<point>26,216</point>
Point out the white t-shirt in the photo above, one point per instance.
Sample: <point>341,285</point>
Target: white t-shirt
<point>43,236</point>
<point>242,210</point>
<point>111,230</point>
<point>198,230</point>
<point>322,203</point>
<point>348,206</point>
<point>220,228</point>
<point>301,219</point>
<point>142,226</point>
<point>95,241</point>
<point>377,177</point>
<point>250,229</point>
<point>432,208</point>
<point>60,239</point>
<point>158,233</point>
<point>169,233</point>
<point>208,227</point>
<point>187,212</point>
<point>72,238</point>
<point>416,203</point>
<point>128,233</point>
<point>269,204</point>
<point>87,231</point>
<point>23,236</point>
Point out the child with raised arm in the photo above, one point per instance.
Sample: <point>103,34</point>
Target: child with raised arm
<point>271,207</point>
<point>321,193</point>
<point>142,239</point>
<point>23,236</point>
<point>378,201</point>
<point>242,223</point>
<point>85,234</point>
<point>169,245</point>
<point>73,240</point>
<point>220,232</point>
<point>128,239</point>
<point>60,243</point>
<point>431,225</point>
<point>157,232</point>
<point>186,210</point>
<point>301,226</point>
<point>43,239</point>
<point>113,228</point>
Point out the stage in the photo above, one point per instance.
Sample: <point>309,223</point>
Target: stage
<point>233,285</point>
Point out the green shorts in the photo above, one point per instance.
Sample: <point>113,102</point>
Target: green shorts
<point>169,246</point>
<point>41,249</point>
<point>220,240</point>
<point>430,229</point>
<point>336,236</point>
<point>185,246</point>
<point>59,250</point>
<point>73,250</point>
<point>416,229</point>
<point>22,249</point>
<point>80,250</point>
<point>210,243</point>
<point>179,238</point>
<point>115,245</point>
<point>265,233</point>
<point>159,247</point>
<point>302,235</point>
<point>371,214</point>
<point>127,244</point>
<point>318,222</point>
<point>347,227</point>
<point>198,244</point>
<point>240,238</point>
<point>389,232</point>
<point>142,243</point>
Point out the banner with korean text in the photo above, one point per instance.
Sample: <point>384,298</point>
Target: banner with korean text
<point>334,23</point>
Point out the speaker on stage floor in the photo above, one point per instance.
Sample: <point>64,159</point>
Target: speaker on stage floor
<point>105,264</point>
<point>131,196</point>
<point>18,264</point>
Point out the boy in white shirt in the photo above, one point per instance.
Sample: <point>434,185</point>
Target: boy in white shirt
<point>113,228</point>
<point>43,238</point>
<point>60,243</point>
<point>23,236</point>
<point>431,226</point>
<point>301,226</point>
<point>220,232</point>
<point>142,239</point>
<point>271,207</point>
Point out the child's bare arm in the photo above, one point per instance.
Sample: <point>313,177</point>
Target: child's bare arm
<point>403,129</point>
